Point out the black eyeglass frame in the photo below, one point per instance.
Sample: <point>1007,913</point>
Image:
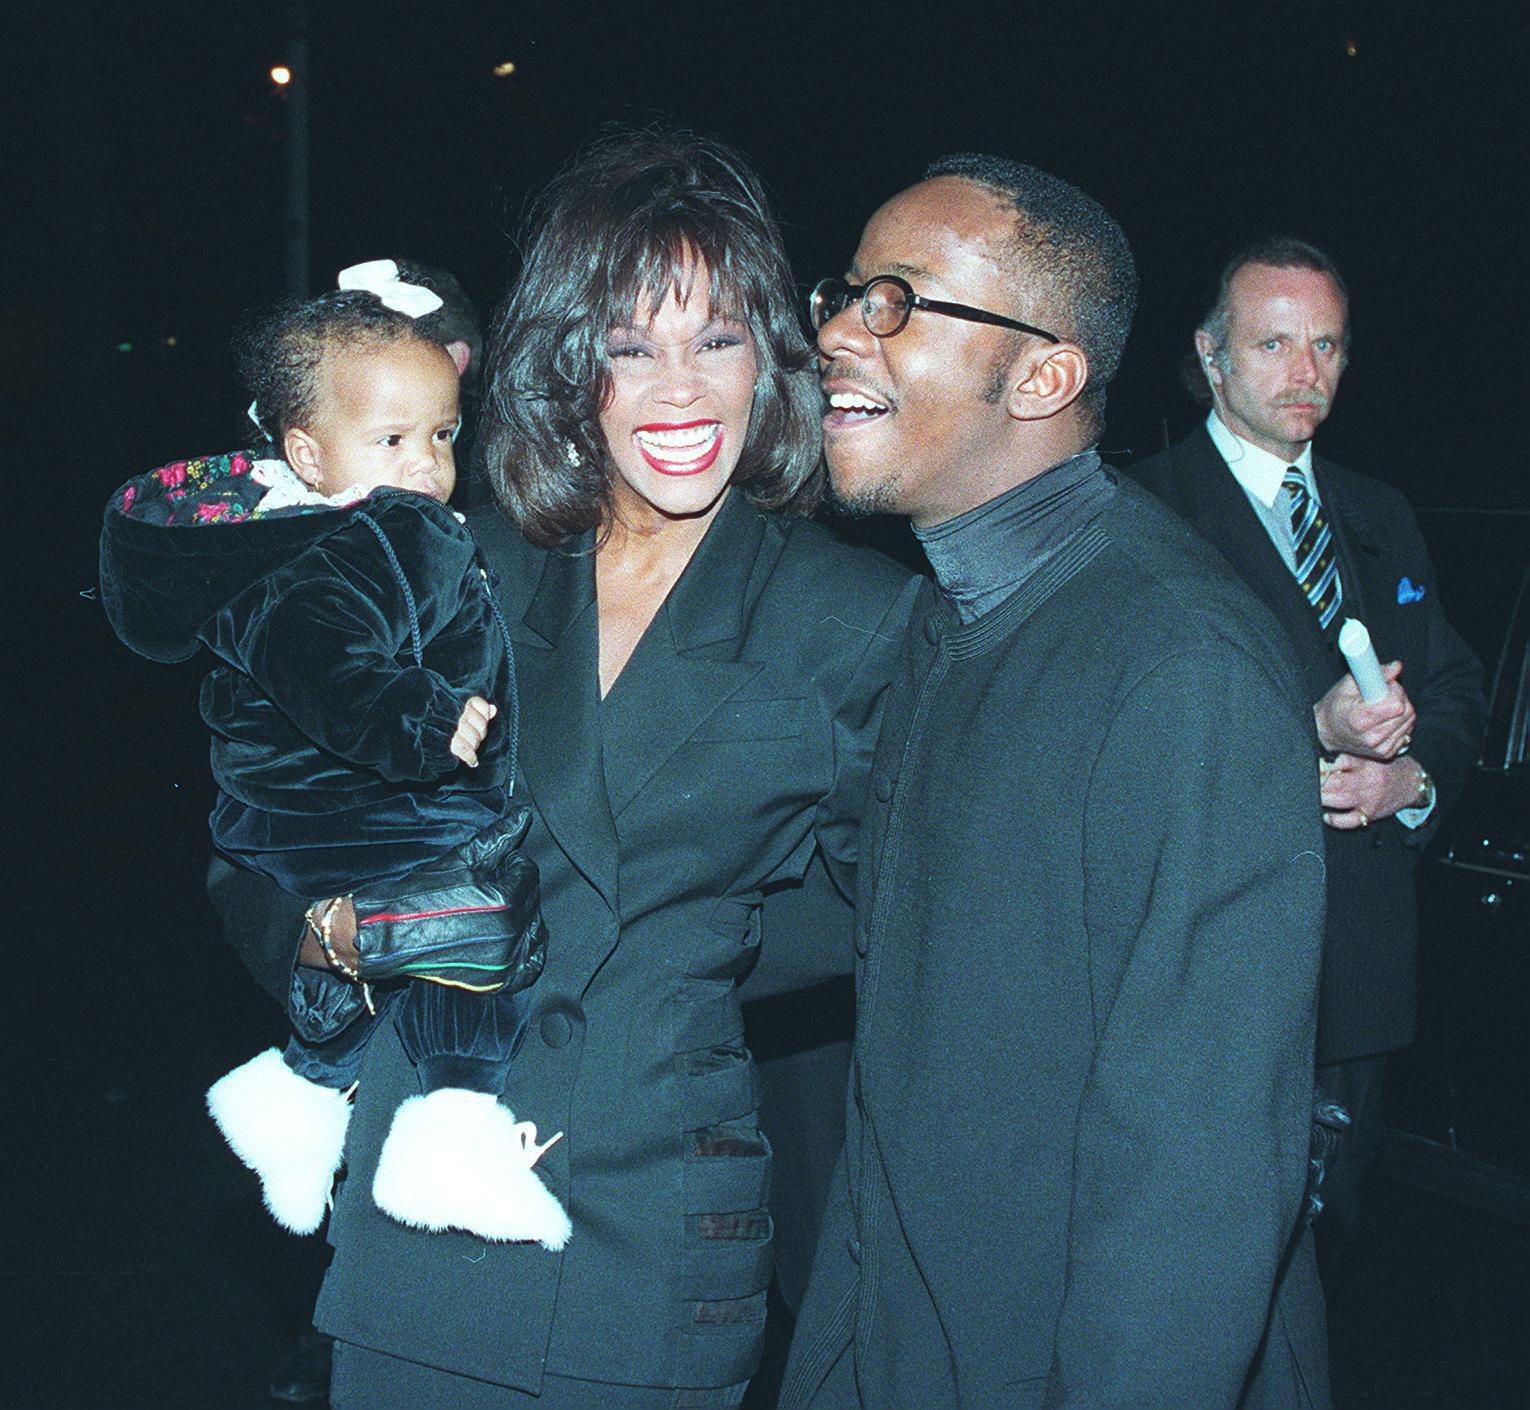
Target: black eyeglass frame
<point>839,290</point>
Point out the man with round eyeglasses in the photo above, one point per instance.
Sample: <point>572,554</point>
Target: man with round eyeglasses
<point>1078,1119</point>
<point>887,301</point>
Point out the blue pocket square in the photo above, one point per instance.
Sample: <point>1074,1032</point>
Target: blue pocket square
<point>1409,591</point>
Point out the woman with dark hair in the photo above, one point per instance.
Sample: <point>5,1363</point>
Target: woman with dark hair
<point>633,219</point>
<point>700,671</point>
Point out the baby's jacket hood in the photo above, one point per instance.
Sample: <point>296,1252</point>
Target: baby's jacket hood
<point>179,542</point>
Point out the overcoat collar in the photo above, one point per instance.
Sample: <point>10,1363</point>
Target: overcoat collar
<point>585,760</point>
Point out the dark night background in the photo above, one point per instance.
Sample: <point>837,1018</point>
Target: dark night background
<point>146,169</point>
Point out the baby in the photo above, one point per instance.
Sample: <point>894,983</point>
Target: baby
<point>362,660</point>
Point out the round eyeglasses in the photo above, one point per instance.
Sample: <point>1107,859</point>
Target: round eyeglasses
<point>887,301</point>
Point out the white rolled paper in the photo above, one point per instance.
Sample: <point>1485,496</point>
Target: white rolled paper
<point>1355,643</point>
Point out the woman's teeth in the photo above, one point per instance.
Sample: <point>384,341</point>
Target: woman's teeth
<point>681,445</point>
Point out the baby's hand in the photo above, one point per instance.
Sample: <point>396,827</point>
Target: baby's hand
<point>471,728</point>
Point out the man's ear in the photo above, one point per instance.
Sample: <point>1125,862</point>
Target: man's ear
<point>1206,353</point>
<point>302,453</point>
<point>1046,380</point>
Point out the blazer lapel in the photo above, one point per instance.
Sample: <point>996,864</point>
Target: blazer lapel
<point>1223,515</point>
<point>557,666</point>
<point>1357,554</point>
<point>687,663</point>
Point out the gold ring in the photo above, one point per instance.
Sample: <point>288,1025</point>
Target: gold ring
<point>1364,821</point>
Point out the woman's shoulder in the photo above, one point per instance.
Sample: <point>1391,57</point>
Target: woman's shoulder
<point>822,566</point>
<point>831,612</point>
<point>500,541</point>
<point>511,556</point>
<point>516,564</point>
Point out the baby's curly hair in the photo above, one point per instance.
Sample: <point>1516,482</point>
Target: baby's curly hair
<point>280,355</point>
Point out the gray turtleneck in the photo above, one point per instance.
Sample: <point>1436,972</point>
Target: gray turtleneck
<point>982,556</point>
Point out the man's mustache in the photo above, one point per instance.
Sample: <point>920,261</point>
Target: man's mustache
<point>1312,398</point>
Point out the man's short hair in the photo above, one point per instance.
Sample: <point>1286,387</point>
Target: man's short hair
<point>1073,268</point>
<point>1279,252</point>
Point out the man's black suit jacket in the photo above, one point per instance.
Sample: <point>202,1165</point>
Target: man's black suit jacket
<point>1368,996</point>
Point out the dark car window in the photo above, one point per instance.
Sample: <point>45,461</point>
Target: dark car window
<point>1507,742</point>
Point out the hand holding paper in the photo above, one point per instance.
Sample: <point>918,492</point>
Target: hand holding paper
<point>1366,712</point>
<point>1355,643</point>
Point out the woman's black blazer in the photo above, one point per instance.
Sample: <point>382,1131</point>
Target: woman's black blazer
<point>735,744</point>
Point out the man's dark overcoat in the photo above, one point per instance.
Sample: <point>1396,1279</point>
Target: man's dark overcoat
<point>733,749</point>
<point>1088,927</point>
<point>1368,997</point>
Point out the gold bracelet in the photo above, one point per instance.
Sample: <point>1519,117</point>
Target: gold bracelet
<point>324,928</point>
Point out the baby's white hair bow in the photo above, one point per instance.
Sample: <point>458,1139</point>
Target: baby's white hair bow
<point>380,277</point>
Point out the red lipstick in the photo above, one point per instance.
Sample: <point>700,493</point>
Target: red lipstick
<point>681,467</point>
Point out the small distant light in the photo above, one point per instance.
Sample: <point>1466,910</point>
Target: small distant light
<point>281,75</point>
<point>1351,48</point>
<point>504,70</point>
<point>170,341</point>
<point>124,347</point>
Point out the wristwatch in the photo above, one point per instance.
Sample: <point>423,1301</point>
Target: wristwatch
<point>1425,797</point>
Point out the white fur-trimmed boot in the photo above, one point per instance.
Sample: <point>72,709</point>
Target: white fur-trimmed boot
<point>456,1159</point>
<point>288,1130</point>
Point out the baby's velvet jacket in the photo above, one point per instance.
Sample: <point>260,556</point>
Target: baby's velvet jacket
<point>347,642</point>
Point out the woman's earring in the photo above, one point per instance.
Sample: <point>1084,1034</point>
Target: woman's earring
<point>571,454</point>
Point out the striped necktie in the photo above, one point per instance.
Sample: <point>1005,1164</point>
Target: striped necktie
<point>1317,568</point>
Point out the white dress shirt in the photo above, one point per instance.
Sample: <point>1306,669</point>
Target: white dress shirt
<point>1260,474</point>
